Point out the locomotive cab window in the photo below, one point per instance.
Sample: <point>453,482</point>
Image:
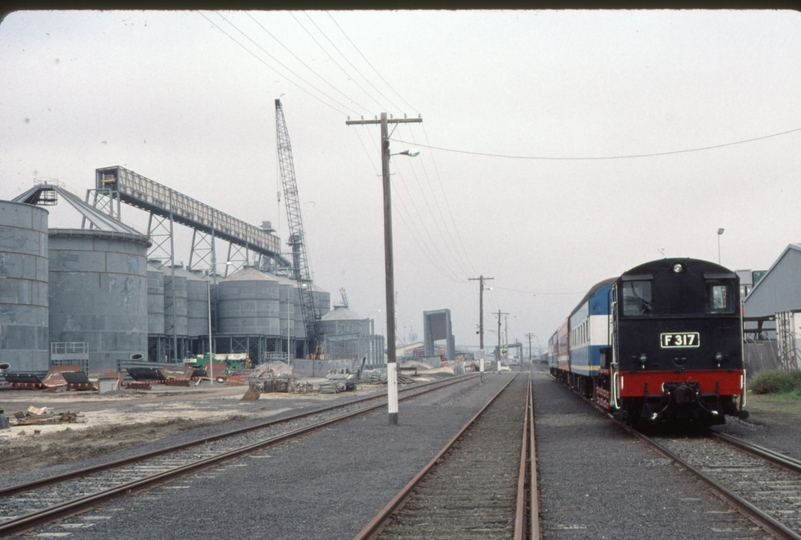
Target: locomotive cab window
<point>637,297</point>
<point>719,297</point>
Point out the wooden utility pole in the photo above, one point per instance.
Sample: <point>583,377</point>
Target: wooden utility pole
<point>498,355</point>
<point>530,350</point>
<point>392,377</point>
<point>481,280</point>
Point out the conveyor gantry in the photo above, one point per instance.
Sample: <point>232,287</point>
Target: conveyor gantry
<point>136,190</point>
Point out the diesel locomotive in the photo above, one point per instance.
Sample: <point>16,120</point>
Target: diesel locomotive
<point>660,343</point>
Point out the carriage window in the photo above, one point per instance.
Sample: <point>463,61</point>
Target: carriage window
<point>719,298</point>
<point>636,298</point>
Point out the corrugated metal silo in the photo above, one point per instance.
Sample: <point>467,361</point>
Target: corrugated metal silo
<point>98,292</point>
<point>300,325</point>
<point>24,339</point>
<point>322,300</point>
<point>197,303</point>
<point>155,300</point>
<point>248,304</point>
<point>175,301</point>
<point>286,306</point>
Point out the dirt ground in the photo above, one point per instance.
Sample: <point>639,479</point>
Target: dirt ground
<point>120,420</point>
<point>774,411</point>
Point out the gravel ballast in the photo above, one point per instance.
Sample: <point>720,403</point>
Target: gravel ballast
<point>596,481</point>
<point>326,485</point>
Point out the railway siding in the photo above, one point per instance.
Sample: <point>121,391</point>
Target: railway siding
<point>327,484</point>
<point>597,482</point>
<point>471,492</point>
<point>770,488</point>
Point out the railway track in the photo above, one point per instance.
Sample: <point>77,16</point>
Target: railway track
<point>760,483</point>
<point>479,485</point>
<point>25,506</point>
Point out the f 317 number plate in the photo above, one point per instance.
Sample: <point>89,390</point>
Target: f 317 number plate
<point>680,339</point>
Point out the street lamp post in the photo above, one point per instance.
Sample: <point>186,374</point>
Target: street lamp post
<point>720,233</point>
<point>392,374</point>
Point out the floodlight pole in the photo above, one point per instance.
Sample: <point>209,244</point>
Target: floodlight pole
<point>392,374</point>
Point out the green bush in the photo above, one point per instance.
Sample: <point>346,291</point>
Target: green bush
<point>776,382</point>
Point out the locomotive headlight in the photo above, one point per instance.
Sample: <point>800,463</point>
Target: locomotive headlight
<point>643,359</point>
<point>678,268</point>
<point>718,358</point>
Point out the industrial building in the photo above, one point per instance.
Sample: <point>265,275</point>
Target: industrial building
<point>437,326</point>
<point>105,294</point>
<point>346,335</point>
<point>780,287</point>
<point>772,314</point>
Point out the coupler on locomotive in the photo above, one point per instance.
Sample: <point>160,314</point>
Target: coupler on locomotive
<point>680,403</point>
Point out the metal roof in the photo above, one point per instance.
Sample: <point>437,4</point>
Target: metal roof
<point>341,313</point>
<point>780,288</point>
<point>98,219</point>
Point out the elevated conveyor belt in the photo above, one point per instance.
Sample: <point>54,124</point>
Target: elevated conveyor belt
<point>136,190</point>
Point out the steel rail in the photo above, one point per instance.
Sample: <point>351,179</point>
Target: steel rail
<point>533,477</point>
<point>380,521</point>
<point>762,518</point>
<point>51,480</point>
<point>765,520</point>
<point>76,506</point>
<point>786,462</point>
<point>520,507</point>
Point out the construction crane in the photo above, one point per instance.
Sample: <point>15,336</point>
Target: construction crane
<point>300,264</point>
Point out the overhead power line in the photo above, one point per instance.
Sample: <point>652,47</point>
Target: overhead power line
<point>535,293</point>
<point>371,66</point>
<point>273,68</point>
<point>425,243</point>
<point>350,77</point>
<point>316,72</point>
<point>462,251</point>
<point>595,158</point>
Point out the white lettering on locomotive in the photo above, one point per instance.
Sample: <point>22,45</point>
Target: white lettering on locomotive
<point>674,340</point>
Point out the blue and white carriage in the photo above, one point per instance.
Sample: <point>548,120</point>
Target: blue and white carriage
<point>589,333</point>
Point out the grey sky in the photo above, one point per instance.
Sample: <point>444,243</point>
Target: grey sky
<point>172,97</point>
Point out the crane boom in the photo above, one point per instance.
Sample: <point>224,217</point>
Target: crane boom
<point>300,264</point>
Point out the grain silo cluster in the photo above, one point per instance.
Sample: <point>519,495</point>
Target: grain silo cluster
<point>103,295</point>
